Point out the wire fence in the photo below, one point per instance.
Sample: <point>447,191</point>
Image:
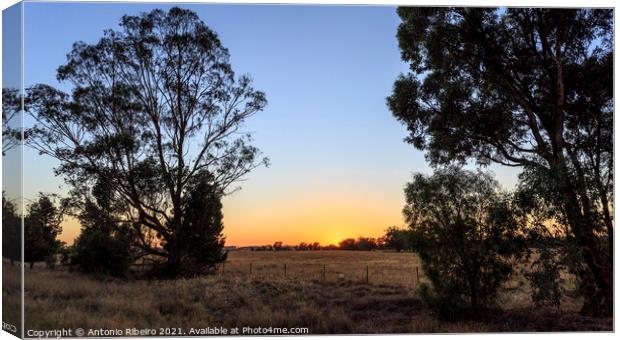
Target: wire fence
<point>376,268</point>
<point>371,273</point>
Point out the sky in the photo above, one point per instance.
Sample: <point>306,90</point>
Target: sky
<point>338,160</point>
<point>11,78</point>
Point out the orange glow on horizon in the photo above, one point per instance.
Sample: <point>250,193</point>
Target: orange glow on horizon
<point>307,216</point>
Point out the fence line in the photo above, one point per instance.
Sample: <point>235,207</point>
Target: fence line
<point>360,272</point>
<point>366,273</point>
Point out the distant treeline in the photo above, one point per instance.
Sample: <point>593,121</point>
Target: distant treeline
<point>394,239</point>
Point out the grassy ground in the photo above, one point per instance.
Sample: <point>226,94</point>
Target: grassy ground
<point>383,267</point>
<point>341,303</point>
<point>11,292</point>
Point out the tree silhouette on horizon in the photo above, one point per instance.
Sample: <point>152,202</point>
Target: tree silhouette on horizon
<point>154,106</point>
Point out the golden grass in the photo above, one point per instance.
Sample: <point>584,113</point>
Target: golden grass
<point>383,267</point>
<point>11,295</point>
<point>343,303</point>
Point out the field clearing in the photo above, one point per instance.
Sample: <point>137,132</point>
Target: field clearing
<point>329,265</point>
<point>343,303</point>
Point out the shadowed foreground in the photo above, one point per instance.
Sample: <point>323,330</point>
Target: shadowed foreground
<point>340,306</point>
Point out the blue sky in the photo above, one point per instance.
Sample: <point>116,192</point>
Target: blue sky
<point>11,78</point>
<point>326,71</point>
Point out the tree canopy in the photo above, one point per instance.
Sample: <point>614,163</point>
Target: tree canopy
<point>466,234</point>
<point>103,246</point>
<point>11,106</point>
<point>154,105</point>
<point>42,225</point>
<point>526,87</point>
<point>11,230</point>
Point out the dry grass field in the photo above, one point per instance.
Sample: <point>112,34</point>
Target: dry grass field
<point>383,267</point>
<point>341,303</point>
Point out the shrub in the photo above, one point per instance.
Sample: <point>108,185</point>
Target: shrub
<point>102,251</point>
<point>397,239</point>
<point>11,231</point>
<point>553,248</point>
<point>544,278</point>
<point>103,246</point>
<point>42,225</point>
<point>447,307</point>
<point>466,235</point>
<point>544,272</point>
<point>199,244</point>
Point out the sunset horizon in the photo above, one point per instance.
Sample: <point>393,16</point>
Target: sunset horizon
<point>338,163</point>
<point>188,169</point>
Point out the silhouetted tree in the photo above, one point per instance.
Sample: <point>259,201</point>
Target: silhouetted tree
<point>200,238</point>
<point>67,254</point>
<point>397,239</point>
<point>42,225</point>
<point>154,105</point>
<point>11,231</point>
<point>11,105</point>
<point>11,219</point>
<point>465,233</point>
<point>550,238</point>
<point>544,275</point>
<point>347,244</point>
<point>526,87</point>
<point>330,247</point>
<point>277,245</point>
<point>103,246</point>
<point>365,243</point>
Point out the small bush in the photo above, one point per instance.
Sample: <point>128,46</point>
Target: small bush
<point>445,307</point>
<point>544,279</point>
<point>199,243</point>
<point>544,272</point>
<point>104,246</point>
<point>466,236</point>
<point>101,251</point>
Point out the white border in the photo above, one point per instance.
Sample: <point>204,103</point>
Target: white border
<point>479,3</point>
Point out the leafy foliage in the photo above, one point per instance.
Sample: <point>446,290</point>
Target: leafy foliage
<point>466,235</point>
<point>525,87</point>
<point>154,105</point>
<point>545,278</point>
<point>200,237</point>
<point>11,230</point>
<point>361,243</point>
<point>42,224</point>
<point>397,239</point>
<point>103,246</point>
<point>347,244</point>
<point>11,106</point>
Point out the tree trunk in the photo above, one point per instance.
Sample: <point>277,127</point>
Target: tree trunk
<point>173,264</point>
<point>31,265</point>
<point>599,302</point>
<point>610,228</point>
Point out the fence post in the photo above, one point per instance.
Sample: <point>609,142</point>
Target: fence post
<point>285,270</point>
<point>250,268</point>
<point>323,272</point>
<point>366,273</point>
<point>417,275</point>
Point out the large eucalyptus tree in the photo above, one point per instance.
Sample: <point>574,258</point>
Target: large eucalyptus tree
<point>155,109</point>
<point>522,87</point>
